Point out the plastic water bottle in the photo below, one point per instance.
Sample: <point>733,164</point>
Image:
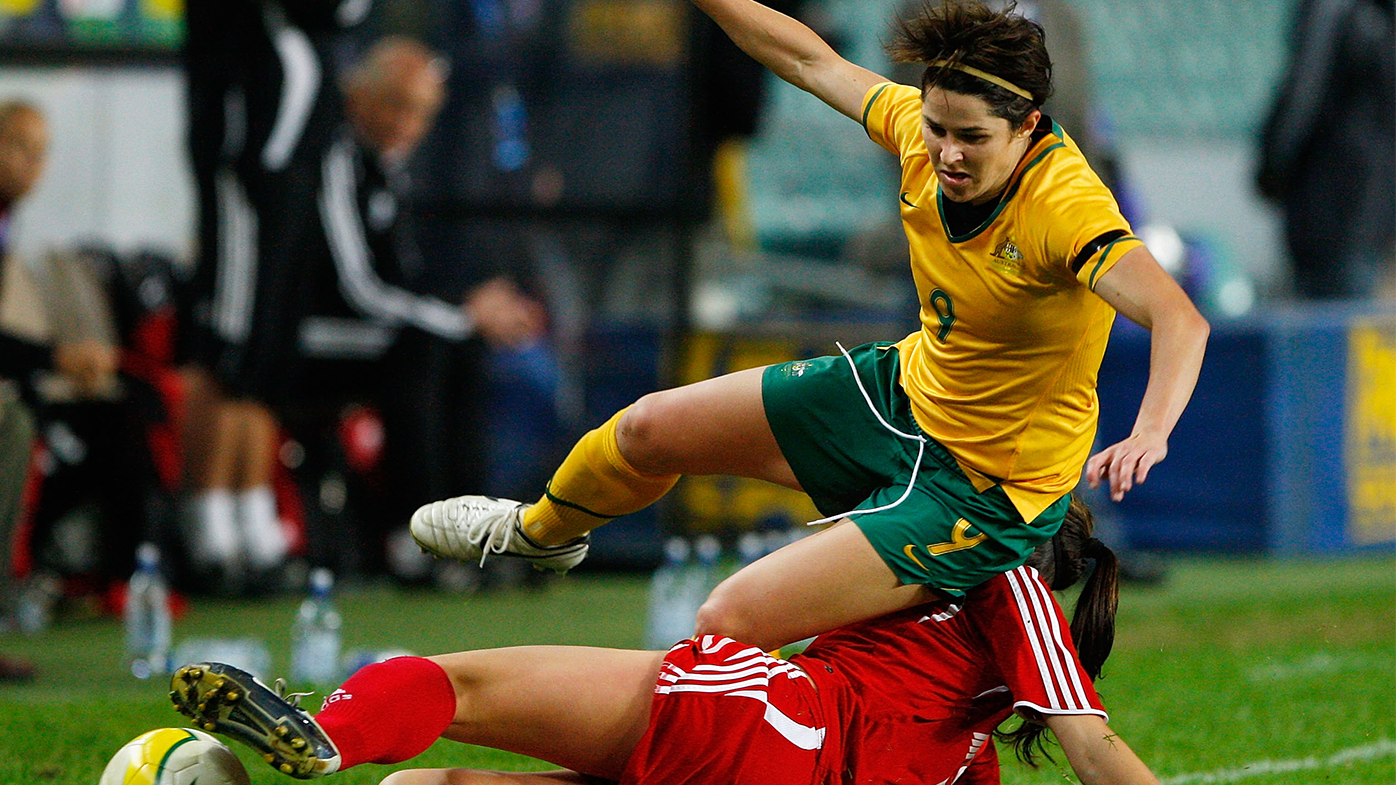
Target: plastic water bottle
<point>701,577</point>
<point>148,615</point>
<point>37,600</point>
<point>750,547</point>
<point>667,624</point>
<point>704,576</point>
<point>315,638</point>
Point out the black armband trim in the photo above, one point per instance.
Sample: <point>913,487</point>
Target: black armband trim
<point>1093,247</point>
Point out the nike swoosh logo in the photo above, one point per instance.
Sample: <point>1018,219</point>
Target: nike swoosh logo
<point>909,204</point>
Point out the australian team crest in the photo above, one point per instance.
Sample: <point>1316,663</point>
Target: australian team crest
<point>1007,258</point>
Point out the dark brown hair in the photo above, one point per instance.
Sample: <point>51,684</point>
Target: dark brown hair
<point>969,33</point>
<point>1062,561</point>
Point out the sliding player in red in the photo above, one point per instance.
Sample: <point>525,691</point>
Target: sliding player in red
<point>911,697</point>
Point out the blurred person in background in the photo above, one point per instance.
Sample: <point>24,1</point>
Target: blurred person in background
<point>23,151</point>
<point>263,105</point>
<point>305,269</point>
<point>62,350</point>
<point>366,334</point>
<point>1328,150</point>
<point>911,697</point>
<point>1021,261</point>
<point>89,366</point>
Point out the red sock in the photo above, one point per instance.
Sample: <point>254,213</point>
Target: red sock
<point>389,712</point>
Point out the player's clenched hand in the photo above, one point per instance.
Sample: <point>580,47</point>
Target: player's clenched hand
<point>1126,464</point>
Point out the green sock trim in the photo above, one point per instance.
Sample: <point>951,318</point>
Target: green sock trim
<point>579,508</point>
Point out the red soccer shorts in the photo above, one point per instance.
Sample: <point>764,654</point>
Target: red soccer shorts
<point>726,713</point>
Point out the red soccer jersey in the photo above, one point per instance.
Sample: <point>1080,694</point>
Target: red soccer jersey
<point>925,688</point>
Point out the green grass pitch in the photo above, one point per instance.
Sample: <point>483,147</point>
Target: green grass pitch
<point>1262,672</point>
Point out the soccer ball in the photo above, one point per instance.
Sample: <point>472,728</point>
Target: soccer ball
<point>174,756</point>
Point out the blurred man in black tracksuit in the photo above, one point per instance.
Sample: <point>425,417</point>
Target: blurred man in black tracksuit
<point>302,298</point>
<point>366,335</point>
<point>263,106</point>
<point>1328,150</point>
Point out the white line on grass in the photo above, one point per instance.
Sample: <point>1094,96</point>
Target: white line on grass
<point>1313,666</point>
<point>1379,749</point>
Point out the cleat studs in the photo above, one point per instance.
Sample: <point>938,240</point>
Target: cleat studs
<point>297,744</point>
<point>285,768</point>
<point>280,731</point>
<point>232,696</point>
<point>210,726</point>
<point>269,758</point>
<point>218,685</point>
<point>194,674</point>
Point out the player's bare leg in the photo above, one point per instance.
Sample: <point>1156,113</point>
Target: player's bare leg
<point>197,427</point>
<point>578,707</point>
<point>808,587</point>
<point>265,542</point>
<point>212,439</point>
<point>258,453</point>
<point>716,426</point>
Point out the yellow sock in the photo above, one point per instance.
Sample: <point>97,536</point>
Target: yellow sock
<point>593,485</point>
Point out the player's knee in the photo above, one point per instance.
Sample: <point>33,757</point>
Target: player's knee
<point>640,434</point>
<point>724,614</point>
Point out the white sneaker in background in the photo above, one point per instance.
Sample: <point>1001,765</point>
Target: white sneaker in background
<point>214,540</point>
<point>265,540</point>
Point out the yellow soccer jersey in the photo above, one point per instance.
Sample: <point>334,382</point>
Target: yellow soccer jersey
<point>1003,369</point>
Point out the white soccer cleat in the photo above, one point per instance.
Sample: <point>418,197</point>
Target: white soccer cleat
<point>470,528</point>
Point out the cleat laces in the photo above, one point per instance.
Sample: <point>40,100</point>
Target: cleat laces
<point>293,698</point>
<point>493,539</point>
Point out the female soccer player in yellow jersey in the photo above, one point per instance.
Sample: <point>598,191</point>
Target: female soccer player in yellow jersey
<point>947,456</point>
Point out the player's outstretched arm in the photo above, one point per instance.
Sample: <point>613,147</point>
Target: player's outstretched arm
<point>1096,754</point>
<point>1140,289</point>
<point>794,52</point>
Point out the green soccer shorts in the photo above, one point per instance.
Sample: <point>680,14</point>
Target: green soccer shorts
<point>944,533</point>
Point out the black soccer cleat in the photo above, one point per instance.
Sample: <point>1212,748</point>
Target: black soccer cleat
<point>233,702</point>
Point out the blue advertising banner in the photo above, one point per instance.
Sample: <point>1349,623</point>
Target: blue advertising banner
<point>1288,445</point>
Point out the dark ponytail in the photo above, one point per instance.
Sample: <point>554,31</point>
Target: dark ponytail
<point>1093,622</point>
<point>1062,562</point>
